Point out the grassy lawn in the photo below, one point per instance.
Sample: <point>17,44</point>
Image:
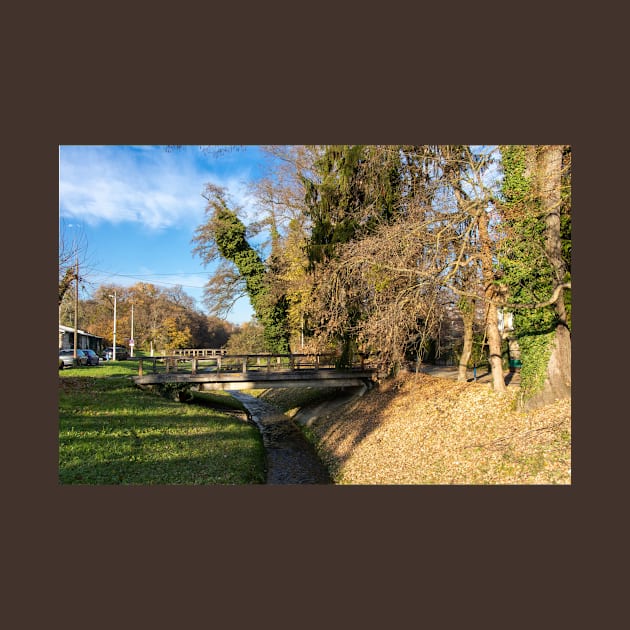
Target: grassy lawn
<point>110,432</point>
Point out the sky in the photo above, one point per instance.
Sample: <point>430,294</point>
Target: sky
<point>136,209</point>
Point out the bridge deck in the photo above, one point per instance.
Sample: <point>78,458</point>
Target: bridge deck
<point>260,379</point>
<point>250,372</point>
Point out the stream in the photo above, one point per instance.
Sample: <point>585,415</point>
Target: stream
<point>290,458</point>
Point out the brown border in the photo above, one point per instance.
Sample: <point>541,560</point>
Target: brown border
<point>378,554</point>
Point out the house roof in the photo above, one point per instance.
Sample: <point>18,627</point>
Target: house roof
<point>68,329</point>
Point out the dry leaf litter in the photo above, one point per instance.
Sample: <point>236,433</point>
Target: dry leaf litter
<point>422,429</point>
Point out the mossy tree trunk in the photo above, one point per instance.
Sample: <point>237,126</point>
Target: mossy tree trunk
<point>557,383</point>
<point>224,236</point>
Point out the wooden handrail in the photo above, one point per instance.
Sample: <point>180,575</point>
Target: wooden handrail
<point>294,361</point>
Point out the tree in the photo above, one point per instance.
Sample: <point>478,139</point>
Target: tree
<point>72,260</point>
<point>224,235</point>
<point>173,336</point>
<point>536,206</point>
<point>352,190</point>
<point>69,251</point>
<point>249,338</point>
<point>164,319</point>
<point>218,333</point>
<point>412,242</point>
<point>376,248</point>
<point>491,293</point>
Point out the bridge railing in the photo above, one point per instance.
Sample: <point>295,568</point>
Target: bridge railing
<point>241,363</point>
<point>199,352</point>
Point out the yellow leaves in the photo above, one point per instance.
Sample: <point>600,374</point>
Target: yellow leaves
<point>175,336</point>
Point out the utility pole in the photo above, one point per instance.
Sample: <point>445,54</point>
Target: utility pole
<point>114,348</point>
<point>76,308</point>
<point>133,341</point>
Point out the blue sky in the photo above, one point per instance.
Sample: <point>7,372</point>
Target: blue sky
<point>137,207</point>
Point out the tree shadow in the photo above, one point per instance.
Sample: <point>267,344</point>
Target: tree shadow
<point>341,431</point>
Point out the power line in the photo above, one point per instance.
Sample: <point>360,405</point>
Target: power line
<point>140,275</point>
<point>151,275</point>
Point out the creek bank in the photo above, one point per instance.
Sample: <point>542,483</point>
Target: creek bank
<point>310,413</point>
<point>290,457</point>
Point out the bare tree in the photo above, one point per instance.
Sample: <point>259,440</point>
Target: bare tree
<point>389,287</point>
<point>72,250</point>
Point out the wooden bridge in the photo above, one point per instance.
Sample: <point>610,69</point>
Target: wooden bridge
<point>250,371</point>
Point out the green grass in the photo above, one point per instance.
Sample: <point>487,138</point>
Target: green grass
<point>111,432</point>
<point>104,368</point>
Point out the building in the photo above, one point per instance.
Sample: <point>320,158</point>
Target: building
<point>84,339</point>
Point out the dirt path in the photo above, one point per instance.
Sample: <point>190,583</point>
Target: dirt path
<point>291,459</point>
<point>481,375</point>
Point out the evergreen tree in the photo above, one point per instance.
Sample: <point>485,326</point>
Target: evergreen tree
<point>353,190</point>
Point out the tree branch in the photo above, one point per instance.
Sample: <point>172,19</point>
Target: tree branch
<point>552,300</point>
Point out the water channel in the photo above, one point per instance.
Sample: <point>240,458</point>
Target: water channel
<point>290,458</point>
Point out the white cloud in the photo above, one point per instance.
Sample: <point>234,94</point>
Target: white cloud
<point>144,185</point>
<point>239,193</point>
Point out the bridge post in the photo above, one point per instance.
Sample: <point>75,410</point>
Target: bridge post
<point>245,365</point>
<point>193,368</point>
<point>218,363</point>
<point>291,362</point>
<point>140,367</point>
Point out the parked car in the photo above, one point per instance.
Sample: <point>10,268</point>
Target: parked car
<point>121,353</point>
<point>82,357</point>
<point>66,358</point>
<point>92,357</point>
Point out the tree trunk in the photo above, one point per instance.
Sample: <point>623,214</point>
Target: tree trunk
<point>492,318</point>
<point>468,315</point>
<point>494,346</point>
<point>558,380</point>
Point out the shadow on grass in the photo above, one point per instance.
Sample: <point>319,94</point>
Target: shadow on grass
<point>112,433</point>
<point>200,470</point>
<point>157,454</point>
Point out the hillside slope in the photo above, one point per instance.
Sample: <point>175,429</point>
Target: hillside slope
<point>422,429</point>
